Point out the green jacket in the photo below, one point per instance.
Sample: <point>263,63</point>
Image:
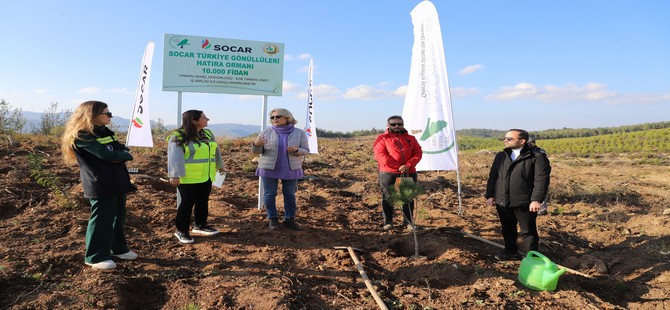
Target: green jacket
<point>102,165</point>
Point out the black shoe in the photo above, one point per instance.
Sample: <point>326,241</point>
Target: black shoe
<point>183,237</point>
<point>291,224</point>
<point>274,223</point>
<point>504,255</point>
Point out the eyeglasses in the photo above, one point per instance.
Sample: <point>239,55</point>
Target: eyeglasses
<point>276,116</point>
<point>396,124</point>
<point>509,139</point>
<point>109,114</point>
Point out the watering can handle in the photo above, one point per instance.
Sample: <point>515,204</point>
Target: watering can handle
<point>547,262</point>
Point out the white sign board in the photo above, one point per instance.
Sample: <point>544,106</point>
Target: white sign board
<point>214,65</point>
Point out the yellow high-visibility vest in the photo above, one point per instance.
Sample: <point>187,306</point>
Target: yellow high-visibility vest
<point>200,159</point>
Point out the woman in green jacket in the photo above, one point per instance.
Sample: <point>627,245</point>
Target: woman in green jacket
<point>104,176</point>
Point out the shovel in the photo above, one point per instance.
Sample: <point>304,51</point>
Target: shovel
<point>359,267</point>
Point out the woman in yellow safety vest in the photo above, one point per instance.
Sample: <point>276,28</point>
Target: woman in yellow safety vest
<point>193,159</point>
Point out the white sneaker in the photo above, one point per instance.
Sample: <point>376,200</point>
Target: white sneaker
<point>204,231</point>
<point>183,237</point>
<point>130,255</point>
<point>103,265</point>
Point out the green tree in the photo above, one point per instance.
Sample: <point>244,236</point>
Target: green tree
<point>11,121</point>
<point>52,121</point>
<point>406,191</point>
<point>4,116</point>
<point>158,128</point>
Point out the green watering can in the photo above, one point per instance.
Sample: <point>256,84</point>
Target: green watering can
<point>538,272</point>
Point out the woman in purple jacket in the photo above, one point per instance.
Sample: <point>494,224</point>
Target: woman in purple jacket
<point>282,149</point>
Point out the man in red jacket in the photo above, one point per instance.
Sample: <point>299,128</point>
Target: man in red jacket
<point>397,154</point>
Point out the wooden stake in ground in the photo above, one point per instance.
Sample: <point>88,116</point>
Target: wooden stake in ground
<point>359,267</point>
<point>502,247</point>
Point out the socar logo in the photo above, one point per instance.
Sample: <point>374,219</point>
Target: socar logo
<point>205,44</point>
<point>137,122</point>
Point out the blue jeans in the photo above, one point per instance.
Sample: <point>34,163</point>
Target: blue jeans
<point>288,188</point>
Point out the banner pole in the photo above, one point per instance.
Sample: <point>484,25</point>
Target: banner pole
<point>458,180</point>
<point>178,109</point>
<point>264,119</point>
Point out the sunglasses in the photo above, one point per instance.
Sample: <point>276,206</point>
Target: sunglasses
<point>509,139</point>
<point>109,114</point>
<point>396,124</point>
<point>276,116</point>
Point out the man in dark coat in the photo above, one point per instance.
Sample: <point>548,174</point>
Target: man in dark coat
<point>518,184</point>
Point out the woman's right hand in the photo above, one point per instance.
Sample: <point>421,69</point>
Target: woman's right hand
<point>174,181</point>
<point>260,141</point>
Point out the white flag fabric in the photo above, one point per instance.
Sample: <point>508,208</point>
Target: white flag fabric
<point>427,110</point>
<point>139,130</point>
<point>310,125</point>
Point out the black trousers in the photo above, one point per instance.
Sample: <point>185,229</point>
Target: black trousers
<point>387,179</point>
<point>188,196</point>
<point>509,217</point>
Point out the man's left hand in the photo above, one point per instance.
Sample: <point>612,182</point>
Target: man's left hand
<point>402,169</point>
<point>535,206</point>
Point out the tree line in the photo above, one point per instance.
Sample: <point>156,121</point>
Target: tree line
<point>653,142</point>
<point>563,133</point>
<point>647,138</point>
<point>12,120</point>
<point>52,121</point>
<point>322,133</point>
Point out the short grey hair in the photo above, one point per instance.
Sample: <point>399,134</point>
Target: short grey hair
<point>285,113</point>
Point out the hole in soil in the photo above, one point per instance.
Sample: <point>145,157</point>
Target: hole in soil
<point>403,247</point>
<point>143,293</point>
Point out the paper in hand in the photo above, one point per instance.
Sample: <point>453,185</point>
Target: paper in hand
<point>220,177</point>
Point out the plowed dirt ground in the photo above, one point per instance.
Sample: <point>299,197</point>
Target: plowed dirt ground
<point>606,221</point>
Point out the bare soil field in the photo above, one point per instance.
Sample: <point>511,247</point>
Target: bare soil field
<point>608,219</point>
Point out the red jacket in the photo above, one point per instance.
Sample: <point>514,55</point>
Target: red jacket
<point>393,150</point>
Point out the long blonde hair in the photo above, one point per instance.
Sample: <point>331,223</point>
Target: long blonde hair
<point>81,121</point>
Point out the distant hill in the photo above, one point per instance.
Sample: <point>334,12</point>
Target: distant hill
<point>120,124</point>
<point>234,130</point>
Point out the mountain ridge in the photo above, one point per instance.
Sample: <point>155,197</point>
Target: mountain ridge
<point>230,130</point>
